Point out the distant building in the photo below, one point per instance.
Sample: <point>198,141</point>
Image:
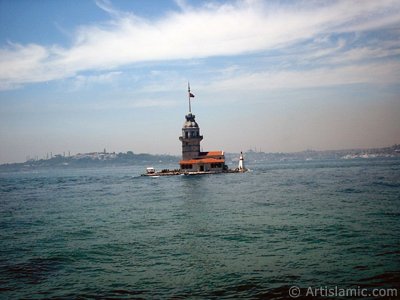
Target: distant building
<point>193,160</point>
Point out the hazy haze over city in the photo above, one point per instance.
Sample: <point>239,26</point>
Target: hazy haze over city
<point>283,76</point>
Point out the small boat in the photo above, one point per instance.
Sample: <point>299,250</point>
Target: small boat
<point>150,171</point>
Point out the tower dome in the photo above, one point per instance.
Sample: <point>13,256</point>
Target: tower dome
<point>190,122</point>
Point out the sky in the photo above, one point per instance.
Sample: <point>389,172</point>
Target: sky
<point>275,76</point>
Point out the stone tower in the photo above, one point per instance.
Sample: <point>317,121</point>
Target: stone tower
<point>194,160</point>
<point>190,138</point>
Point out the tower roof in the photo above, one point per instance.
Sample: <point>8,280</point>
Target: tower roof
<point>190,121</point>
<point>202,161</point>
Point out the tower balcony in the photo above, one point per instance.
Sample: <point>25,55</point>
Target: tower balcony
<point>188,139</point>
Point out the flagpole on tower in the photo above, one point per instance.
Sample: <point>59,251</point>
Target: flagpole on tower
<point>190,95</point>
<point>190,107</point>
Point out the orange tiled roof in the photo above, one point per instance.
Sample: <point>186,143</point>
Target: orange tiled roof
<point>212,153</point>
<point>202,161</point>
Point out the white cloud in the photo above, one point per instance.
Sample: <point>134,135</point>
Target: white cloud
<point>378,73</point>
<point>132,102</point>
<point>210,30</point>
<point>19,63</point>
<point>106,5</point>
<point>86,80</point>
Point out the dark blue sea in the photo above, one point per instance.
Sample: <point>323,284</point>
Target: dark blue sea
<point>110,233</point>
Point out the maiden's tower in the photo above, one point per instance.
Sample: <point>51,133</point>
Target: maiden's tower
<point>194,160</point>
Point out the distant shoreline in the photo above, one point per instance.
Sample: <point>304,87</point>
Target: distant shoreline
<point>98,159</point>
<point>92,159</point>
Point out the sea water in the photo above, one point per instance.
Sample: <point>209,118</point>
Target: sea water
<point>110,233</point>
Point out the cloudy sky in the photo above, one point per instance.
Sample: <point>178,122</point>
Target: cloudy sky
<point>284,75</point>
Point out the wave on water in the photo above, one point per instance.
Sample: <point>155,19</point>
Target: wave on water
<point>110,233</point>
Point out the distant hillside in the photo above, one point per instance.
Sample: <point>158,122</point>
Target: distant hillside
<point>91,160</point>
<point>98,159</point>
<point>253,156</point>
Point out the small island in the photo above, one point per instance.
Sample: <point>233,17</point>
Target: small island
<point>194,161</point>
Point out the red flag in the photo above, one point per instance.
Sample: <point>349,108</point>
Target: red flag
<point>191,95</point>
